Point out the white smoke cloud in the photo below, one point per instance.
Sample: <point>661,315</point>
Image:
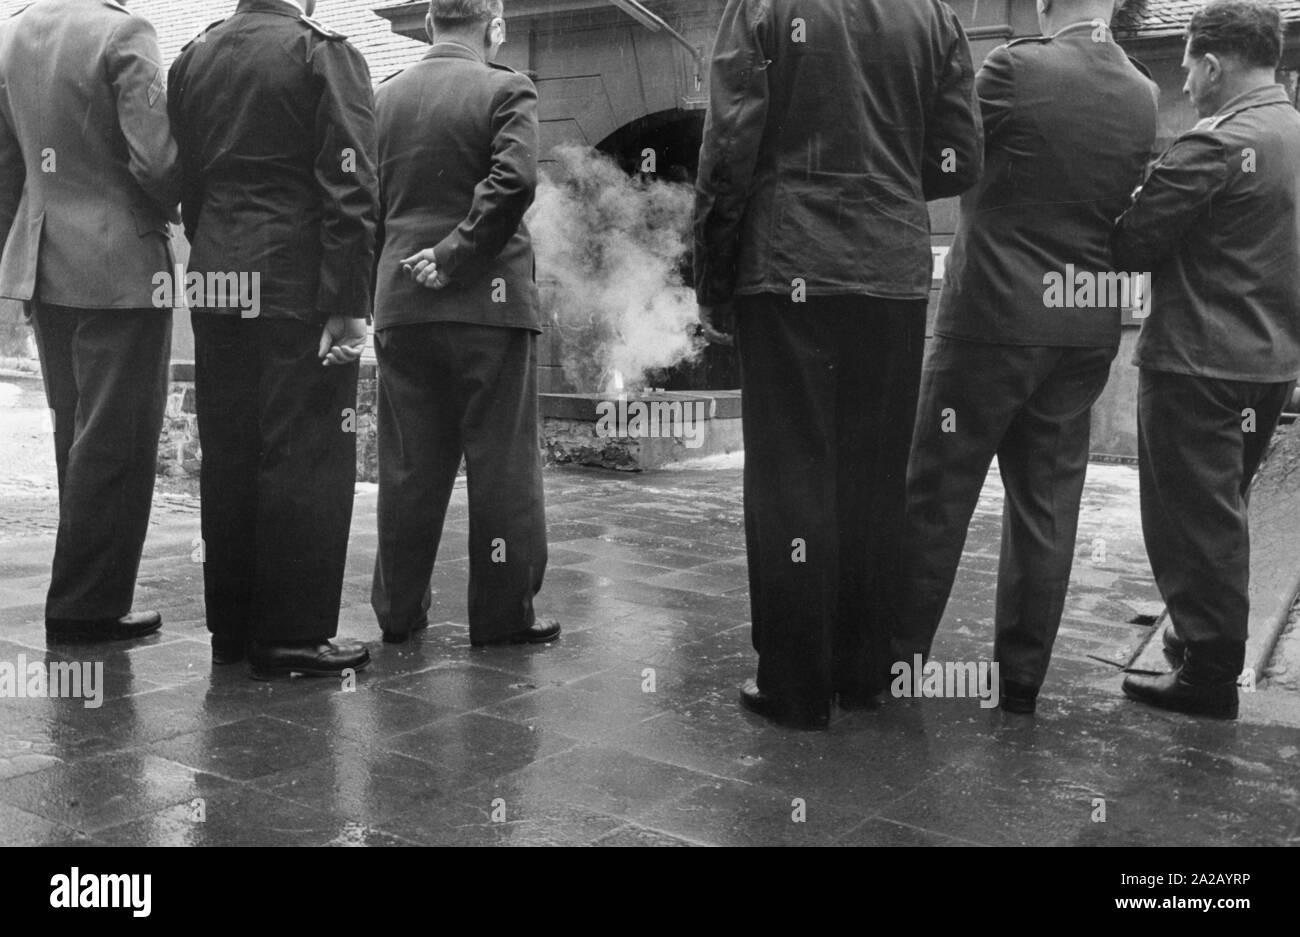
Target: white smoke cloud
<point>610,250</point>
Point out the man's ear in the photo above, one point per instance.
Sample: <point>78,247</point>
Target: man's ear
<point>1213,66</point>
<point>428,25</point>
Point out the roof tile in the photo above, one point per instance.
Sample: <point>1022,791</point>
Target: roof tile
<point>1151,17</point>
<point>179,22</point>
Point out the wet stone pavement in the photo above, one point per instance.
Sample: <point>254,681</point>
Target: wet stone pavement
<point>627,731</point>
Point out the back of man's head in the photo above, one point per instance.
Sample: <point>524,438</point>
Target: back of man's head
<point>458,15</point>
<point>1248,31</point>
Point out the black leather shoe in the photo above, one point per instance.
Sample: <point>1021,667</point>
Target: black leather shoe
<point>792,715</point>
<point>1175,648</point>
<point>1018,698</point>
<point>228,649</point>
<point>1174,692</point>
<point>539,633</point>
<point>401,637</point>
<point>314,659</point>
<point>94,630</point>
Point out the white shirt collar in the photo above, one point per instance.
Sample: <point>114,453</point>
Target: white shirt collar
<point>299,5</point>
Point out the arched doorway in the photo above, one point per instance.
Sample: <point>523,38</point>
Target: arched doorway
<point>674,137</point>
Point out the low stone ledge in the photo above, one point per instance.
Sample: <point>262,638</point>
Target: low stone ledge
<point>180,451</point>
<point>639,432</point>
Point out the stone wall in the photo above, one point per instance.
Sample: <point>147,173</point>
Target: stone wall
<point>178,449</point>
<point>17,349</point>
<point>630,433</point>
<point>180,452</point>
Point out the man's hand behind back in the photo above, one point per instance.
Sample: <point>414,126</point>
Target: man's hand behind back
<point>342,340</point>
<point>423,269</point>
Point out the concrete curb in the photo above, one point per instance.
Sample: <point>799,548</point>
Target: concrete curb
<point>1274,559</point>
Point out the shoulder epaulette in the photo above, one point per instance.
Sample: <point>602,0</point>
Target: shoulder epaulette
<point>392,76</point>
<point>321,28</point>
<point>16,12</point>
<point>113,5</point>
<point>203,36</point>
<point>505,68</point>
<point>1026,39</point>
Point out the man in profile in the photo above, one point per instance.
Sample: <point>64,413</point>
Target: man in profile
<point>1014,369</point>
<point>1217,222</point>
<point>88,184</point>
<point>456,326</point>
<point>274,116</point>
<point>829,126</point>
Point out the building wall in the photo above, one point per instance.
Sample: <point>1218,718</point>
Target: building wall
<point>598,71</point>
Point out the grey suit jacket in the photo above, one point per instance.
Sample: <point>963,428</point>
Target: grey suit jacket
<point>1070,123</point>
<point>458,146</point>
<point>88,171</point>
<point>1217,222</point>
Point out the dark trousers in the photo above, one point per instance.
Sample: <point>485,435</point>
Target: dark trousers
<point>1200,441</point>
<point>447,389</point>
<point>830,392</point>
<point>1031,407</point>
<point>105,374</point>
<point>277,478</point>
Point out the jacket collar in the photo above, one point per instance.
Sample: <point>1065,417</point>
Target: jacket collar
<point>1268,94</point>
<point>278,7</point>
<point>453,50</point>
<point>1089,25</point>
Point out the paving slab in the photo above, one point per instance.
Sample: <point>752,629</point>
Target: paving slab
<point>627,732</point>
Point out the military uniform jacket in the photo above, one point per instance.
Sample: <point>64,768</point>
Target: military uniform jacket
<point>458,146</point>
<point>274,116</point>
<point>1070,125</point>
<point>88,175</point>
<point>1217,223</point>
<point>829,126</point>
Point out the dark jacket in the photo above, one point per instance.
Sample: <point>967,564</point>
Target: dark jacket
<point>829,126</point>
<point>1217,223</point>
<point>458,168</point>
<point>1069,127</point>
<point>88,173</point>
<point>274,116</point>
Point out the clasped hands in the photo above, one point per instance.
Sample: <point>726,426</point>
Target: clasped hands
<point>343,339</point>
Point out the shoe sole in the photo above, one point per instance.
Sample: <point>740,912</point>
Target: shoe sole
<point>94,637</point>
<point>1225,714</point>
<point>786,720</point>
<point>272,673</point>
<point>515,642</point>
<point>401,637</point>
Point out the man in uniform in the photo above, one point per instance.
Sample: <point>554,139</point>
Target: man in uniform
<point>88,184</point>
<point>1013,369</point>
<point>456,326</point>
<point>1217,222</point>
<point>274,117</point>
<point>829,126</point>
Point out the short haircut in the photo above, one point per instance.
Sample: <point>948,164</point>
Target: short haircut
<point>1249,30</point>
<point>457,14</point>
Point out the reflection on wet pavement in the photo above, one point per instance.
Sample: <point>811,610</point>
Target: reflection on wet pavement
<point>627,732</point>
